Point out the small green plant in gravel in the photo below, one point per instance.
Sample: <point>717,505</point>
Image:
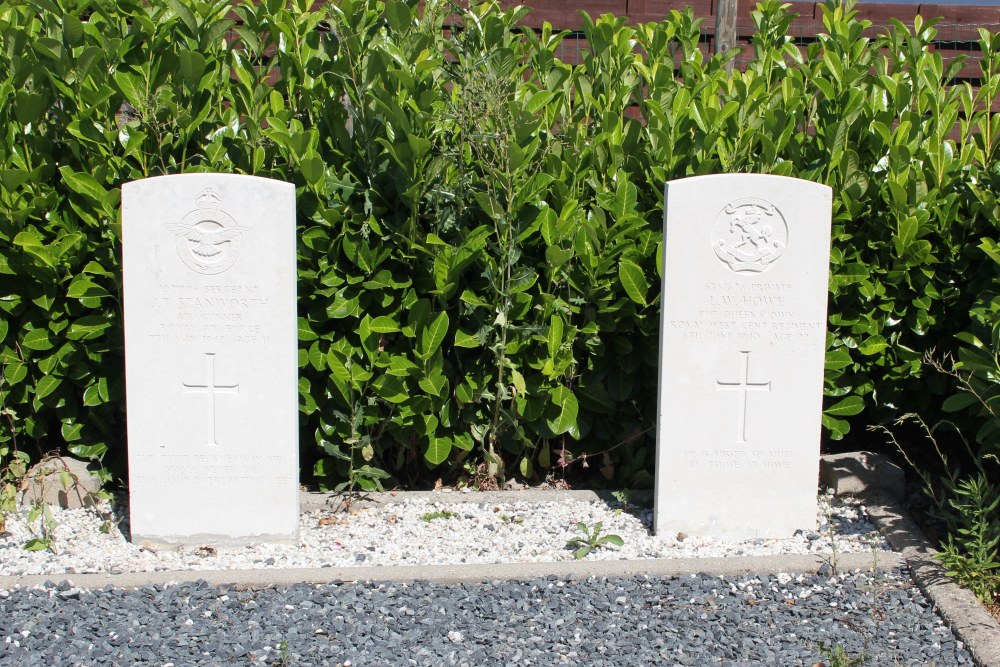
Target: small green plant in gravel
<point>42,513</point>
<point>592,540</point>
<point>970,555</point>
<point>877,613</point>
<point>837,656</point>
<point>832,559</point>
<point>284,654</point>
<point>13,477</point>
<point>443,514</point>
<point>624,496</point>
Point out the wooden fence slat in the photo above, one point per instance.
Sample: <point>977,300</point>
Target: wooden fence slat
<point>971,70</point>
<point>806,11</point>
<point>883,14</point>
<point>566,15</point>
<point>961,14</point>
<point>647,11</point>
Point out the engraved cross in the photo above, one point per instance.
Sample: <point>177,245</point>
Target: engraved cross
<point>743,386</point>
<point>211,388</point>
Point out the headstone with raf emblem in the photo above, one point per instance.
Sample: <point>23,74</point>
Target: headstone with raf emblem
<point>742,340</point>
<point>211,359</point>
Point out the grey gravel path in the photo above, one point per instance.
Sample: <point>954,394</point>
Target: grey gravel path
<point>688,620</point>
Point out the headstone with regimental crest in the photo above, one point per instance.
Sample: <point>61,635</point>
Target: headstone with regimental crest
<point>211,359</point>
<point>742,341</point>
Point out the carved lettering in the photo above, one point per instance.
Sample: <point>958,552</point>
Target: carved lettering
<point>739,459</point>
<point>193,470</point>
<point>211,314</point>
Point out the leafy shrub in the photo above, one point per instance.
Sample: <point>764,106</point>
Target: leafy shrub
<point>479,222</point>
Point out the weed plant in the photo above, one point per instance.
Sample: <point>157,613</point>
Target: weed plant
<point>967,504</point>
<point>442,514</point>
<point>837,656</point>
<point>15,478</point>
<point>592,539</point>
<point>966,501</point>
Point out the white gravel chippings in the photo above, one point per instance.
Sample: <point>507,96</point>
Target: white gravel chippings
<point>421,532</point>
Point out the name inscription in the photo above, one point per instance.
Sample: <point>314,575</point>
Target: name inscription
<point>210,314</point>
<point>744,312</point>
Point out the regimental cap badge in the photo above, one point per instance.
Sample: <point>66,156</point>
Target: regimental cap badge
<point>749,235</point>
<point>208,240</point>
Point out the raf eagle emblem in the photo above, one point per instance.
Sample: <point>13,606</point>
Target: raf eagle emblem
<point>208,240</point>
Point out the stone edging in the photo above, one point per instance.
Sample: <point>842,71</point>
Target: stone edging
<point>470,573</point>
<point>960,609</point>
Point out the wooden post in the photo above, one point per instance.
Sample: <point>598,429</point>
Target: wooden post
<point>725,28</point>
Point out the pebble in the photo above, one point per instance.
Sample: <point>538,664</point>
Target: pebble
<point>486,533</point>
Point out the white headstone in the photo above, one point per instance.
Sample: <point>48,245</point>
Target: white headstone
<point>211,363</point>
<point>742,341</point>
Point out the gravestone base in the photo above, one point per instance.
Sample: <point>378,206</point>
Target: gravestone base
<point>209,543</point>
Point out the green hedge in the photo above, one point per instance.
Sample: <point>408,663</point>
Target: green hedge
<point>479,222</point>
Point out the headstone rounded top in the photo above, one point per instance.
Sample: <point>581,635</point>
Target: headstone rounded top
<point>212,177</point>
